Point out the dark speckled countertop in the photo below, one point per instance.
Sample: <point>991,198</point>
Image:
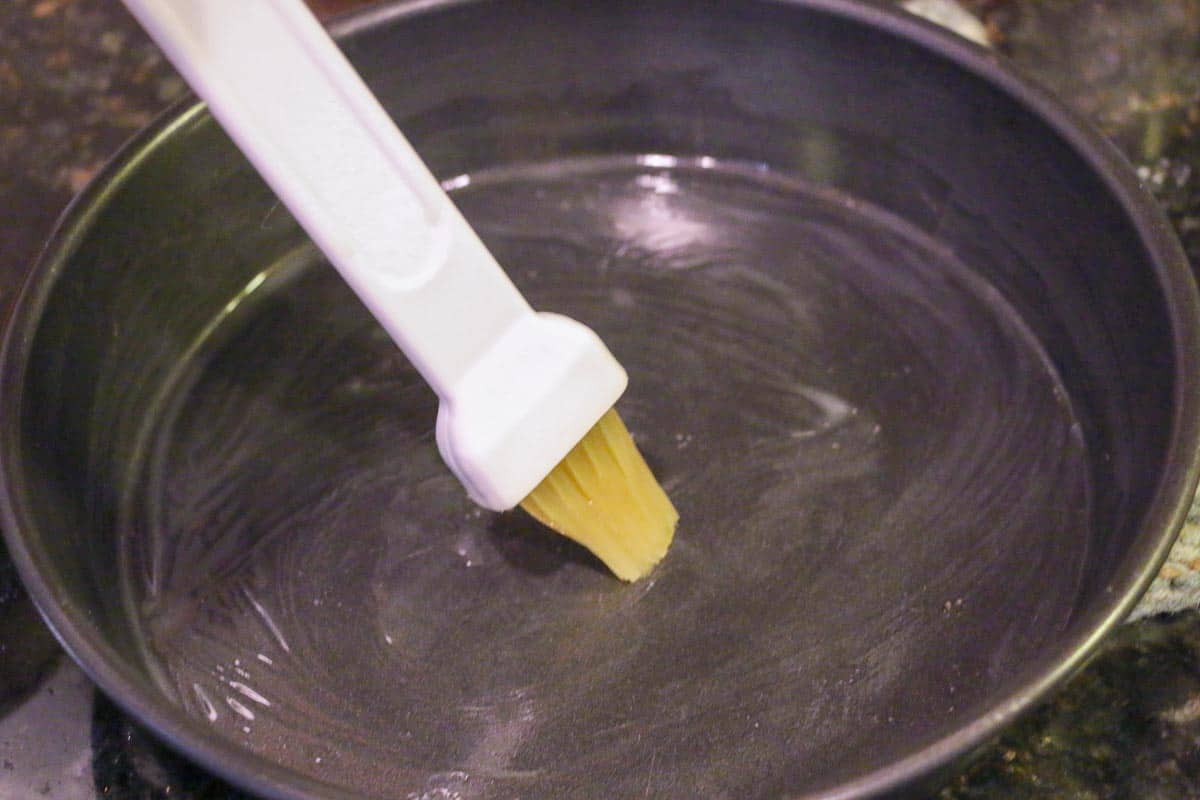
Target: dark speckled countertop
<point>77,78</point>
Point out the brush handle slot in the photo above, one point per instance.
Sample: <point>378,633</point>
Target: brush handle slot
<point>295,106</point>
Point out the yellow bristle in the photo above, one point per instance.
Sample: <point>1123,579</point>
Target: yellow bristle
<point>604,496</point>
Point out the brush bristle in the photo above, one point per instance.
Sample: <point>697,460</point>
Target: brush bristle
<point>604,496</point>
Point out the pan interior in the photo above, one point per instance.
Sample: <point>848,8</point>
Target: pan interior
<point>878,473</point>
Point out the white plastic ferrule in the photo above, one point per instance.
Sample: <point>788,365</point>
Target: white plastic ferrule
<point>522,407</point>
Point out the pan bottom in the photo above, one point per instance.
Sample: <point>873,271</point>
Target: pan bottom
<point>883,494</point>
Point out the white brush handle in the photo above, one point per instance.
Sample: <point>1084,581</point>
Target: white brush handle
<point>517,389</point>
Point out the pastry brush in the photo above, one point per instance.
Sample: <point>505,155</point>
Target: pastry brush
<point>526,398</point>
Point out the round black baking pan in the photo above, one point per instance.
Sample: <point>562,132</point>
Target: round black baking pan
<point>909,347</point>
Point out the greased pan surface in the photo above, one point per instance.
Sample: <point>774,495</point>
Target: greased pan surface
<point>908,347</point>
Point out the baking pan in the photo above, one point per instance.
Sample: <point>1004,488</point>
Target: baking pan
<point>909,347</point>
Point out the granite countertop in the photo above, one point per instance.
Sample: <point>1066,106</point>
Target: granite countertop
<point>77,78</point>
